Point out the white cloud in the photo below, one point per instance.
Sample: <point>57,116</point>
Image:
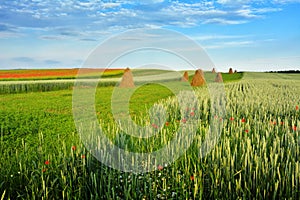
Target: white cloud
<point>110,5</point>
<point>285,1</point>
<point>218,37</point>
<point>224,21</point>
<point>7,34</point>
<point>135,13</point>
<point>231,44</point>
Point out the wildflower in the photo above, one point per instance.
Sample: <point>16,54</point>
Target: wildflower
<point>247,131</point>
<point>231,118</point>
<point>216,116</point>
<point>73,148</point>
<point>167,123</point>
<point>274,122</point>
<point>192,178</point>
<point>83,156</point>
<point>192,114</point>
<point>44,169</point>
<point>295,128</point>
<point>160,167</point>
<point>154,126</point>
<point>281,123</point>
<point>47,162</point>
<point>297,107</point>
<point>243,120</point>
<point>183,120</point>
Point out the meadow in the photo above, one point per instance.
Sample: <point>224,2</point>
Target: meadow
<point>256,156</point>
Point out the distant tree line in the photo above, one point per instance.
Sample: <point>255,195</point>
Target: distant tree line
<point>286,71</point>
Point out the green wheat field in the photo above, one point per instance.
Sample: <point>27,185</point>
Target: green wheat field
<point>256,157</point>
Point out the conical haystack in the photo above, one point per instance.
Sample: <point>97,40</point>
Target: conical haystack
<point>185,77</point>
<point>127,79</point>
<point>213,70</point>
<point>198,78</point>
<point>235,71</point>
<point>230,71</point>
<point>219,78</point>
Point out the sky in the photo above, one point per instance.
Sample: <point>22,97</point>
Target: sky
<point>246,35</point>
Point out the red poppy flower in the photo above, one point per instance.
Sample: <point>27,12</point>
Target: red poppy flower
<point>167,124</point>
<point>274,122</point>
<point>73,148</point>
<point>159,167</point>
<point>192,114</point>
<point>83,156</point>
<point>183,120</point>
<point>295,128</point>
<point>297,107</point>
<point>231,118</point>
<point>281,123</point>
<point>154,126</point>
<point>247,131</point>
<point>192,178</point>
<point>47,162</point>
<point>243,120</point>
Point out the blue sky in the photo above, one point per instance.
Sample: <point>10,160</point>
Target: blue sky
<point>247,35</point>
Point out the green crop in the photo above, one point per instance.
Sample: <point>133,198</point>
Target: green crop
<point>256,157</point>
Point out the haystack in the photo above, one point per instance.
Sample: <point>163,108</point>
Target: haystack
<point>230,71</point>
<point>213,71</point>
<point>198,78</point>
<point>235,71</point>
<point>219,78</point>
<point>185,77</point>
<point>127,79</point>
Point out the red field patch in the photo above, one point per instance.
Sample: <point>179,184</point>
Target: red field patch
<point>55,73</point>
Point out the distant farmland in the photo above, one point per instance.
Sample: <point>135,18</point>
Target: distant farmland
<point>49,74</point>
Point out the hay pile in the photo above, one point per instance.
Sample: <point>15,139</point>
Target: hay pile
<point>127,79</point>
<point>185,77</point>
<point>230,71</point>
<point>219,78</point>
<point>213,71</point>
<point>198,79</point>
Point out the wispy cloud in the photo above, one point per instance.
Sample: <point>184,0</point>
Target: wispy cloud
<point>52,62</point>
<point>218,37</point>
<point>224,21</point>
<point>231,44</point>
<point>23,59</point>
<point>101,15</point>
<point>286,1</point>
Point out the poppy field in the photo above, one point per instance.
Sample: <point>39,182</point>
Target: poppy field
<point>54,74</point>
<point>257,155</point>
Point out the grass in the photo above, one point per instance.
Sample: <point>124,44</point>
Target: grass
<point>257,156</point>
